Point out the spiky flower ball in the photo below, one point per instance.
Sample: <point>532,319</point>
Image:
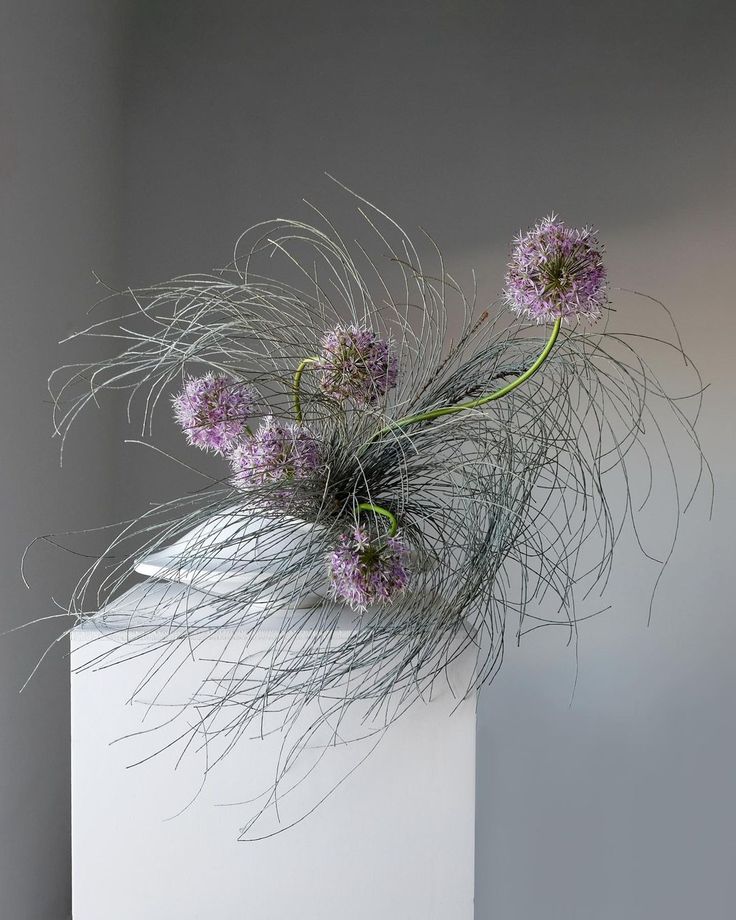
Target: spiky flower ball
<point>363,572</point>
<point>556,271</point>
<point>276,453</point>
<point>356,364</point>
<point>213,411</point>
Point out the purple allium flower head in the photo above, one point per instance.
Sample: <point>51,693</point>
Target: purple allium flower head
<point>276,453</point>
<point>556,271</point>
<point>362,572</point>
<point>356,364</point>
<point>213,411</point>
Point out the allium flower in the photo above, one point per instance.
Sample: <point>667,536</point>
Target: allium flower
<point>362,572</point>
<point>277,452</point>
<point>356,364</point>
<point>556,271</point>
<point>213,411</point>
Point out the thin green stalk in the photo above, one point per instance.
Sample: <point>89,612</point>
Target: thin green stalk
<point>377,509</point>
<point>295,387</point>
<point>473,404</point>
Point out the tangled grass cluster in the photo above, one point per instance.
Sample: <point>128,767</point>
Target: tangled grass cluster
<point>445,489</point>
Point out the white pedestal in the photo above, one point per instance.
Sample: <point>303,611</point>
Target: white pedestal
<point>394,841</point>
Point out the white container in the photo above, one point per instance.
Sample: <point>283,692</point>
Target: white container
<point>394,840</point>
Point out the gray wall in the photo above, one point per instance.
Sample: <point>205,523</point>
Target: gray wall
<point>59,179</point>
<point>148,135</point>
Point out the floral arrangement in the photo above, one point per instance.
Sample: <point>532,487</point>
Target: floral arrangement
<point>432,489</point>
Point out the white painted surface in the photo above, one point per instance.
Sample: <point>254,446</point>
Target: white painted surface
<point>394,841</point>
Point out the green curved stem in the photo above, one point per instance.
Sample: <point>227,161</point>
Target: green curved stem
<point>295,387</point>
<point>473,404</point>
<point>377,509</point>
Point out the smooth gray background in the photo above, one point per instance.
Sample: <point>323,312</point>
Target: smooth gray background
<point>139,138</point>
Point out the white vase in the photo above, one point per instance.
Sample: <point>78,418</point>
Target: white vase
<point>235,550</point>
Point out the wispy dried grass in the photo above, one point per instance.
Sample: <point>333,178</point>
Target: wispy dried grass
<point>513,511</point>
